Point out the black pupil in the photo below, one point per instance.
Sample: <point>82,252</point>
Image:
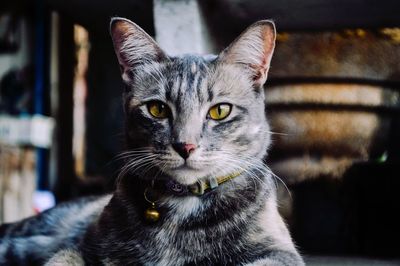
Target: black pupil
<point>219,109</point>
<point>160,107</point>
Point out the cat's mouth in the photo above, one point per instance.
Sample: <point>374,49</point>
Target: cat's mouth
<point>185,166</point>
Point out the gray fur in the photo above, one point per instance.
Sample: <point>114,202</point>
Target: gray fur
<point>234,224</point>
<point>66,257</point>
<point>34,240</point>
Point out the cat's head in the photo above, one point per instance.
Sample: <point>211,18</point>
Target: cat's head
<point>193,117</point>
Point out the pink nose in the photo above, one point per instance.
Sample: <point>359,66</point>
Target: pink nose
<point>184,149</point>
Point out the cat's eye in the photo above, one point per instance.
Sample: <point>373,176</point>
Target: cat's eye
<point>158,109</point>
<point>219,111</point>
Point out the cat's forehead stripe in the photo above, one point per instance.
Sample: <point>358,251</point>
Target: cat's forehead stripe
<point>186,76</point>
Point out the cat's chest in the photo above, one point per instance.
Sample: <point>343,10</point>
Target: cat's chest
<point>170,244</point>
<point>188,234</point>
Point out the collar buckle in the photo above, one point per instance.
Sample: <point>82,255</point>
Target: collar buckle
<point>198,188</point>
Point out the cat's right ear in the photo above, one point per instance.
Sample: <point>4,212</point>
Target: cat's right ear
<point>253,51</point>
<point>133,47</point>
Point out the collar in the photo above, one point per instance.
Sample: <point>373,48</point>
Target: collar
<point>200,187</point>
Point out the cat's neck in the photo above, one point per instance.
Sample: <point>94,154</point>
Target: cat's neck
<point>233,196</point>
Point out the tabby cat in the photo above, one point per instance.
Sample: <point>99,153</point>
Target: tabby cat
<point>194,189</point>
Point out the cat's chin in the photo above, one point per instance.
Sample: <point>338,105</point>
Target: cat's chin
<point>186,175</point>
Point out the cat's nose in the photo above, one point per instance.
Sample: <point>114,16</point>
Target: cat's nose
<point>184,149</point>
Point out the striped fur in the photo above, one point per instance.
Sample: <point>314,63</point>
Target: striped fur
<point>34,240</point>
<point>234,224</point>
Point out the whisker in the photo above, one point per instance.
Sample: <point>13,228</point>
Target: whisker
<point>277,133</point>
<point>134,164</point>
<point>253,166</point>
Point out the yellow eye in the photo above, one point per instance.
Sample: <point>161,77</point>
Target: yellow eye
<point>158,109</point>
<point>220,111</point>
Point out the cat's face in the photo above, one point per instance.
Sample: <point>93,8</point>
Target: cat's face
<point>193,117</point>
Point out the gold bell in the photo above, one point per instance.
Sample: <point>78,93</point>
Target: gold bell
<point>151,214</point>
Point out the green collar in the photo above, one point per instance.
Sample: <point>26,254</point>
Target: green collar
<point>202,186</point>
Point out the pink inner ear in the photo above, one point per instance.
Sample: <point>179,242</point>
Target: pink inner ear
<point>120,32</point>
<point>260,70</point>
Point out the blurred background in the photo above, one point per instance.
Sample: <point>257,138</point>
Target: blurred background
<point>333,100</point>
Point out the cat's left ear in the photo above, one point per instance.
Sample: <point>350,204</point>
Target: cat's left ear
<point>133,47</point>
<point>253,50</point>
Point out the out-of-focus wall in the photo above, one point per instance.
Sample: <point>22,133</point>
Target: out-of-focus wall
<point>17,163</point>
<point>23,56</point>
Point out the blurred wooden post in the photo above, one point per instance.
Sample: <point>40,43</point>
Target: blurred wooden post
<point>65,166</point>
<point>180,27</point>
